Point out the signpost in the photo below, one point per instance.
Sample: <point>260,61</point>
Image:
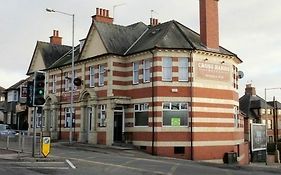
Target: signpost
<point>46,144</point>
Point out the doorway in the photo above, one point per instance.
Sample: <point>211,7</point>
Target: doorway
<point>118,124</point>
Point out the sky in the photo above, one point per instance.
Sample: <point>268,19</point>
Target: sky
<point>248,28</point>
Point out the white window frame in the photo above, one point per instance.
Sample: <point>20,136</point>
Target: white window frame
<point>67,82</point>
<point>53,83</point>
<point>75,76</point>
<point>181,104</point>
<point>67,118</point>
<point>236,117</point>
<point>92,76</point>
<point>101,74</point>
<point>146,71</point>
<point>183,69</point>
<point>102,116</point>
<point>167,69</point>
<point>142,107</point>
<point>136,72</point>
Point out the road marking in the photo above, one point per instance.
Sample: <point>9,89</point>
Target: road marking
<point>173,169</point>
<point>70,164</point>
<point>32,167</point>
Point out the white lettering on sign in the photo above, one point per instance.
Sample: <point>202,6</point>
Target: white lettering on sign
<point>212,71</point>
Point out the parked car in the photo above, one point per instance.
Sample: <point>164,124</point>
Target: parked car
<point>6,130</point>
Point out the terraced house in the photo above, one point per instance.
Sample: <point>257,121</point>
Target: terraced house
<point>161,87</point>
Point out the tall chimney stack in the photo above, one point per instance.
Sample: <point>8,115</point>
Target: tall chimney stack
<point>56,39</point>
<point>209,23</point>
<point>102,15</point>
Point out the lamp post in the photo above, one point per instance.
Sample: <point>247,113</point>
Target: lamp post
<point>72,70</point>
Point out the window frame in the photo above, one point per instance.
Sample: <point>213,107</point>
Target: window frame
<point>180,108</point>
<point>183,69</point>
<point>54,83</point>
<point>141,107</point>
<point>136,72</point>
<point>147,70</point>
<point>92,76</point>
<point>168,69</point>
<point>101,74</point>
<point>102,115</point>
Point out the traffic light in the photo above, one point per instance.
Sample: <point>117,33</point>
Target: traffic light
<point>39,89</point>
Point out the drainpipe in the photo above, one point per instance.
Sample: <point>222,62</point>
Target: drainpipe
<point>61,83</point>
<point>153,104</point>
<point>191,107</point>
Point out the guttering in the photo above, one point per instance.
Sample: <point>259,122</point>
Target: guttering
<point>191,108</point>
<point>153,104</point>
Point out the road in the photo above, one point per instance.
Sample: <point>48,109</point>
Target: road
<point>98,161</point>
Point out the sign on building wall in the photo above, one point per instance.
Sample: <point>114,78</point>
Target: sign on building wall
<point>212,71</point>
<point>258,137</point>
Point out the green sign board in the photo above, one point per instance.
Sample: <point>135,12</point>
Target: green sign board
<point>176,121</point>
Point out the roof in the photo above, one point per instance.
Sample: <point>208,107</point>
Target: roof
<point>126,40</point>
<point>1,89</point>
<point>50,53</point>
<point>171,35</point>
<point>118,39</point>
<point>66,58</point>
<point>278,104</point>
<point>248,103</point>
<point>16,85</point>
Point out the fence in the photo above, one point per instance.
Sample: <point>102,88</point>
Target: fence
<point>20,143</point>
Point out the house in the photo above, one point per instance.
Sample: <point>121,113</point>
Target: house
<point>257,110</point>
<point>15,105</point>
<point>160,87</point>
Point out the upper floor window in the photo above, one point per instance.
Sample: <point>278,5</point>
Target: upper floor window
<point>101,75</point>
<point>13,96</point>
<point>75,76</point>
<point>92,76</point>
<point>146,71</point>
<point>167,69</point>
<point>53,83</point>
<point>175,114</point>
<point>67,82</point>
<point>135,72</point>
<point>183,69</point>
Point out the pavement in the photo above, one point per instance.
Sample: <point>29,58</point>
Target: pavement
<point>128,151</point>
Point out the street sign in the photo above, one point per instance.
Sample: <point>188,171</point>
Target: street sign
<point>46,145</point>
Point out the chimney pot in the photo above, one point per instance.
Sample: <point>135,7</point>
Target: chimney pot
<point>102,15</point>
<point>56,39</point>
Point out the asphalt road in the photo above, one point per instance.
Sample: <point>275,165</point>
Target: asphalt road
<point>97,161</point>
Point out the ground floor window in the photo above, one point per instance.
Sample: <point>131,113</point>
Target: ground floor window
<point>102,115</point>
<point>141,114</point>
<point>175,114</point>
<point>67,118</point>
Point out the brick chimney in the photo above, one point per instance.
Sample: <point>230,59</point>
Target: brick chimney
<point>102,15</point>
<point>209,23</point>
<point>250,90</point>
<point>154,22</point>
<point>56,39</point>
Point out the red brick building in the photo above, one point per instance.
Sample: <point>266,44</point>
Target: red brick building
<point>160,87</point>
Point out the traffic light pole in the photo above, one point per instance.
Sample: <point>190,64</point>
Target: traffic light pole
<point>34,132</point>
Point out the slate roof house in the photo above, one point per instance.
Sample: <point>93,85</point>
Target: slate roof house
<point>160,87</point>
<point>257,110</point>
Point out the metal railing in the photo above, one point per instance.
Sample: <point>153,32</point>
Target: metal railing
<point>21,143</point>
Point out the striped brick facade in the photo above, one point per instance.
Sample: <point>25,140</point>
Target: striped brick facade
<point>210,131</point>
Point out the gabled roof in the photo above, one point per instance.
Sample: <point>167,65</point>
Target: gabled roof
<point>16,85</point>
<point>50,54</point>
<point>117,39</point>
<point>248,103</point>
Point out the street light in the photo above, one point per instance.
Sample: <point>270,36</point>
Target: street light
<point>72,70</point>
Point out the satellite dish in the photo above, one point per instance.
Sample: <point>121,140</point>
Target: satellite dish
<point>240,74</point>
